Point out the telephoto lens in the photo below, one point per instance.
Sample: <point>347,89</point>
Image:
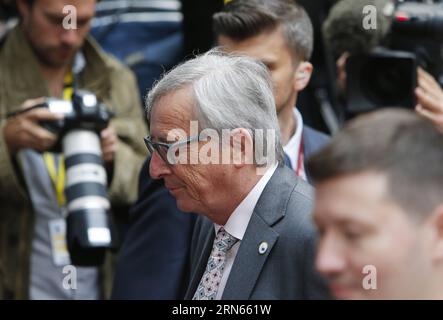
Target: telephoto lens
<point>89,227</point>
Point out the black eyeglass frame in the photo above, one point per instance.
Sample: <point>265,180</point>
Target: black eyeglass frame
<point>163,153</point>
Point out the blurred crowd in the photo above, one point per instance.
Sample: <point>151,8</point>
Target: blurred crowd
<point>115,182</point>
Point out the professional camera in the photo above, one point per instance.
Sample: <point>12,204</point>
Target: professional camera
<point>89,228</point>
<point>383,78</point>
<point>388,75</point>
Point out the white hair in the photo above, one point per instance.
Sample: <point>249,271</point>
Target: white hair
<point>229,91</point>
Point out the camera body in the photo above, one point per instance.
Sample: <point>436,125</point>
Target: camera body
<point>387,76</point>
<point>83,112</point>
<point>418,28</point>
<point>383,78</point>
<point>90,230</point>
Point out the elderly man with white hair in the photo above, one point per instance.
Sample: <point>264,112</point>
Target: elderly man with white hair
<point>254,238</point>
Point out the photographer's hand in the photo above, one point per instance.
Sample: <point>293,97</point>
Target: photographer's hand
<point>23,130</point>
<point>109,144</point>
<point>429,99</point>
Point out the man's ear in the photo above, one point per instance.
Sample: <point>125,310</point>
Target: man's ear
<point>341,70</point>
<point>242,147</point>
<point>302,75</point>
<point>24,9</point>
<point>436,221</point>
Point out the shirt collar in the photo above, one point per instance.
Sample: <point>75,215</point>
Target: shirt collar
<point>239,219</point>
<point>293,146</point>
<point>294,142</point>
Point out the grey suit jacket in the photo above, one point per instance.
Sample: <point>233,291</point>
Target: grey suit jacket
<point>282,218</point>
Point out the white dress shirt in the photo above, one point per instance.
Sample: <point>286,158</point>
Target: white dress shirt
<point>238,222</point>
<point>292,148</point>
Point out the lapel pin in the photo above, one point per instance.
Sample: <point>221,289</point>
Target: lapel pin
<point>263,247</point>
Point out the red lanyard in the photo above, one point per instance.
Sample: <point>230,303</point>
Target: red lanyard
<point>298,172</point>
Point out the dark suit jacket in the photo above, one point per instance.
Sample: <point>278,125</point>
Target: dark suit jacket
<point>313,140</point>
<point>154,256</point>
<point>282,219</point>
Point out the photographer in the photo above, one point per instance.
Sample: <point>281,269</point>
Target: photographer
<point>37,61</point>
<point>390,83</point>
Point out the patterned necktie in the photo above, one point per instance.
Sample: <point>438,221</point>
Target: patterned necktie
<point>208,287</point>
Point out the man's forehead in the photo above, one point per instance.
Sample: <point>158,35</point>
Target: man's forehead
<point>269,44</point>
<point>172,111</point>
<point>252,47</point>
<point>83,8</point>
<point>352,197</point>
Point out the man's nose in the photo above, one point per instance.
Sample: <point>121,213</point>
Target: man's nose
<point>158,167</point>
<point>70,37</point>
<point>330,259</point>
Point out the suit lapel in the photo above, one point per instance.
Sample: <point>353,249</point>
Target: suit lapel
<point>202,261</point>
<point>249,262</point>
<point>271,208</point>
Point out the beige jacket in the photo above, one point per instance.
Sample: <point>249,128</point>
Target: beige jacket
<point>20,79</point>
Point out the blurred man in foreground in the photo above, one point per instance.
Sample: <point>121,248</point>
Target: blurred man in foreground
<point>379,208</point>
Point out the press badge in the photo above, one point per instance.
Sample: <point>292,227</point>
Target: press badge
<point>60,253</point>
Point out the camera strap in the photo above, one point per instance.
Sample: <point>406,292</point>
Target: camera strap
<point>57,172</point>
<point>57,176</point>
<point>68,86</point>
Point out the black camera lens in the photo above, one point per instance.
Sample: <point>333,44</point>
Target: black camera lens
<point>380,79</point>
<point>386,81</point>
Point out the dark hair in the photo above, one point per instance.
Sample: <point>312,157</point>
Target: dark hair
<point>395,142</point>
<point>242,19</point>
<point>8,8</point>
<point>343,28</point>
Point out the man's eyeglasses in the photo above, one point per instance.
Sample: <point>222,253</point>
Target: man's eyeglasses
<point>162,148</point>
